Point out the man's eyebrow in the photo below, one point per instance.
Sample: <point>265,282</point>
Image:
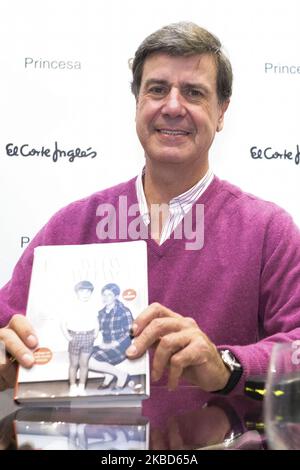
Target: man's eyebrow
<point>157,81</point>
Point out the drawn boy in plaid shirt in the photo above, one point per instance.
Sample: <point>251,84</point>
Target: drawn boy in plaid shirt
<point>115,321</point>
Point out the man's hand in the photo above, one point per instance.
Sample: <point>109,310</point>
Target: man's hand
<point>181,346</point>
<point>191,430</point>
<point>8,375</point>
<point>19,339</point>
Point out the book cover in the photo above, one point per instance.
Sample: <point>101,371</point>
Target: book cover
<point>82,302</point>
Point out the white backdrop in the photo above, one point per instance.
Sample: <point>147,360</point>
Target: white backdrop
<point>83,101</point>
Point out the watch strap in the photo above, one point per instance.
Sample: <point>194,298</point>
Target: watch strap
<point>234,378</point>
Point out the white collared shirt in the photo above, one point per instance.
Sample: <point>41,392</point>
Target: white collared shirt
<point>178,206</point>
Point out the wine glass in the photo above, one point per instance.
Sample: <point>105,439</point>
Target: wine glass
<point>282,399</point>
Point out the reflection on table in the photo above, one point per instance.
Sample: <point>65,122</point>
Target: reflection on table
<point>184,419</point>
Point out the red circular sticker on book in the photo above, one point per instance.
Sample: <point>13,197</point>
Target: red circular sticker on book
<point>129,294</point>
<point>42,356</point>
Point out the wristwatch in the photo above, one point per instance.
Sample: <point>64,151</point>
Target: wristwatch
<point>235,368</point>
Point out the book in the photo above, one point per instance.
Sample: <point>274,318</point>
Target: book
<point>82,302</point>
<point>81,429</point>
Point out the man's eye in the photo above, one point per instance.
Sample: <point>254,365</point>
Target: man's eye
<point>156,90</point>
<point>194,93</point>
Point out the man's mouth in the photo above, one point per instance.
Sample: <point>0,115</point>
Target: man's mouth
<point>173,131</point>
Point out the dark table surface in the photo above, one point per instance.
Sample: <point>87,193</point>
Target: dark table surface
<point>181,420</point>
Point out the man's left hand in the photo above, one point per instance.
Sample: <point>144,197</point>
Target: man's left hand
<point>181,346</point>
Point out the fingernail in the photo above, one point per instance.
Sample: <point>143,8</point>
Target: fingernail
<point>31,341</point>
<point>131,351</point>
<point>133,329</point>
<point>27,359</point>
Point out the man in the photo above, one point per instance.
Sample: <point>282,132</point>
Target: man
<point>215,311</point>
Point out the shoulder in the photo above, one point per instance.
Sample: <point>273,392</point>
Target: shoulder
<point>247,205</point>
<point>75,222</point>
<point>90,203</point>
<point>246,216</point>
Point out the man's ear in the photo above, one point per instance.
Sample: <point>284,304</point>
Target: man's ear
<point>223,109</point>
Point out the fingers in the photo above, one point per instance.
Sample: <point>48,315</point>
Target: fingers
<point>158,328</point>
<point>18,338</point>
<point>157,439</point>
<point>24,330</point>
<point>167,346</point>
<point>8,374</point>
<point>11,375</point>
<point>17,348</point>
<point>180,344</point>
<point>155,310</point>
<point>175,439</point>
<point>192,355</point>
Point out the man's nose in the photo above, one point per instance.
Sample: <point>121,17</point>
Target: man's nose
<point>173,104</point>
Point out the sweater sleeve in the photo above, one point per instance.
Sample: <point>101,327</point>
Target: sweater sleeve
<point>14,294</point>
<point>279,306</point>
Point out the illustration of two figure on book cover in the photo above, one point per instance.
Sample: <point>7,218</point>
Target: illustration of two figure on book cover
<point>97,341</point>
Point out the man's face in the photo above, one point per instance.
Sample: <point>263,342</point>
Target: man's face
<point>177,112</point>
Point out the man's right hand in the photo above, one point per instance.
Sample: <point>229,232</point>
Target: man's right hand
<point>8,375</point>
<point>19,339</point>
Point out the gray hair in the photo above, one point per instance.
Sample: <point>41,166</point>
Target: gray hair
<point>183,39</point>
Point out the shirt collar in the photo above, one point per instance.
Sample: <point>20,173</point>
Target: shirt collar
<point>179,204</point>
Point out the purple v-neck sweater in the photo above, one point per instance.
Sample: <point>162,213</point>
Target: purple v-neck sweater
<point>242,287</point>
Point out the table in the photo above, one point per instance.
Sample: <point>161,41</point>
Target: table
<point>181,420</point>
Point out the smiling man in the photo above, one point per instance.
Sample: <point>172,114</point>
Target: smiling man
<point>215,311</point>
<point>178,112</point>
<point>177,115</point>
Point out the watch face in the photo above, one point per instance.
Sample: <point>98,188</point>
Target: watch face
<point>229,359</point>
<point>235,368</point>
